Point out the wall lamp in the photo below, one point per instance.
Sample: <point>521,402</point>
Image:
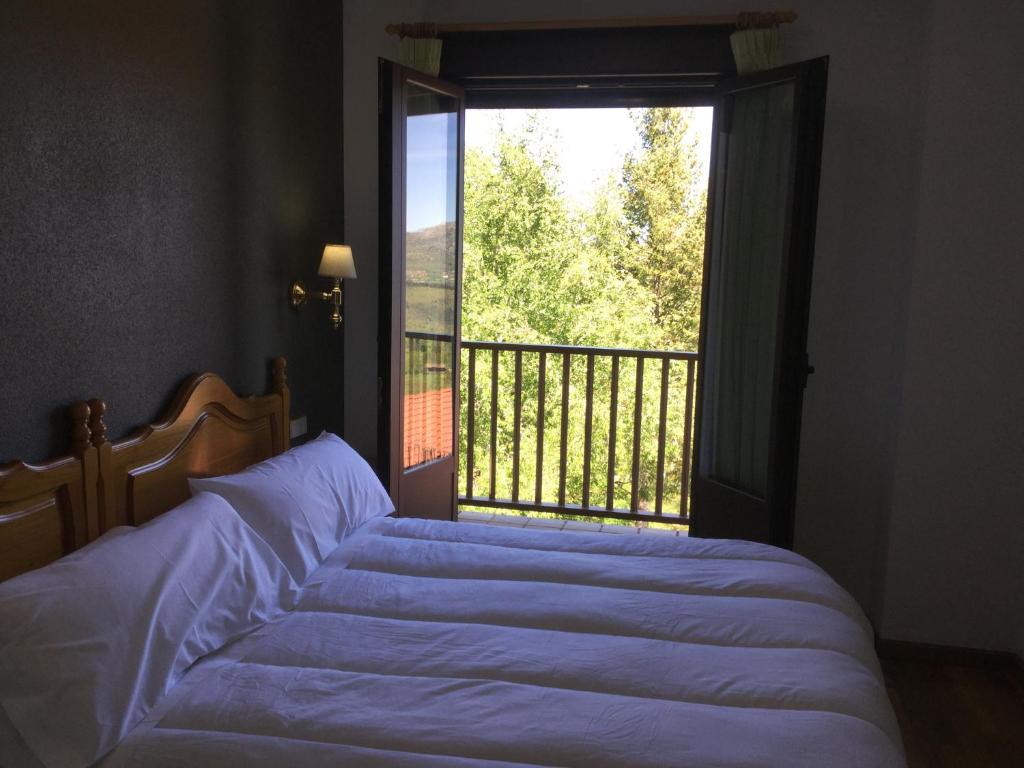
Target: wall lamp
<point>337,264</point>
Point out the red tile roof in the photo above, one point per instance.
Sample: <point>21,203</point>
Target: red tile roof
<point>428,426</point>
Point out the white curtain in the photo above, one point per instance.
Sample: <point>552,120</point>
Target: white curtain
<point>421,53</point>
<point>756,50</point>
<point>746,285</point>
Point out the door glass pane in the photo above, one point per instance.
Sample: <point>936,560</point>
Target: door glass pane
<point>744,297</point>
<point>432,145</point>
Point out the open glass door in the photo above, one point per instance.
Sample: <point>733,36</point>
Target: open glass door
<point>765,164</point>
<point>422,121</point>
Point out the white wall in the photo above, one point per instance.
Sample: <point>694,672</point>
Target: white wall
<point>956,546</point>
<point>364,41</point>
<point>873,166</point>
<point>861,275</point>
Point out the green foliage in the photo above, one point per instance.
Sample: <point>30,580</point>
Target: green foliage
<point>626,272</point>
<point>533,271</point>
<point>665,213</point>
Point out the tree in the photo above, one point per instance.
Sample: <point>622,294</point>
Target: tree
<point>534,272</point>
<point>623,273</point>
<point>665,211</point>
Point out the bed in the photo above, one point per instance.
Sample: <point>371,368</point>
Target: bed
<point>423,643</point>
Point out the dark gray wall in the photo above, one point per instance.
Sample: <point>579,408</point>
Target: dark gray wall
<point>165,170</point>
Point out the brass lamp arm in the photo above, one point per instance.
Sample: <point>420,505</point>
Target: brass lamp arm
<point>298,296</point>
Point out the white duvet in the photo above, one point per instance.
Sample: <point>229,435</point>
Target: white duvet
<point>440,644</point>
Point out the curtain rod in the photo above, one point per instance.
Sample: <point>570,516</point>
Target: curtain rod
<point>740,20</point>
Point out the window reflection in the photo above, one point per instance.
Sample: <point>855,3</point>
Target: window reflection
<point>430,274</point>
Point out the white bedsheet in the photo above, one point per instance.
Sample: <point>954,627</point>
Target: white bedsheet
<point>440,644</point>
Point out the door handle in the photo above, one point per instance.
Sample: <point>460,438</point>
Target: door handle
<point>808,369</point>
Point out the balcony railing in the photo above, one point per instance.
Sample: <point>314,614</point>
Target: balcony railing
<point>626,455</point>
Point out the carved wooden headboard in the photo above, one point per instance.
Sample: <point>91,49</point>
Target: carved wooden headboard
<point>49,510</point>
<point>208,430</point>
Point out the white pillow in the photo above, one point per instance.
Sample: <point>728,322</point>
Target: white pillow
<point>89,643</point>
<point>304,501</point>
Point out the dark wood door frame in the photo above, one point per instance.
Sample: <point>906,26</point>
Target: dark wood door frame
<point>392,148</point>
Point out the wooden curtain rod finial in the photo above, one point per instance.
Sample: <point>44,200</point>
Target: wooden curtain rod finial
<point>78,413</point>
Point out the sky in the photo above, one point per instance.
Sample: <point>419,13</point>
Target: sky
<point>430,187</point>
<point>591,144</point>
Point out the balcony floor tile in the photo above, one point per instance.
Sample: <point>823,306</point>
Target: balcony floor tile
<point>476,517</point>
<point>579,525</point>
<point>659,532</point>
<point>540,522</point>
<point>619,529</point>
<point>565,526</point>
<point>509,521</point>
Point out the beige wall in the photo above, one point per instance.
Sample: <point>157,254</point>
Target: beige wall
<point>875,166</point>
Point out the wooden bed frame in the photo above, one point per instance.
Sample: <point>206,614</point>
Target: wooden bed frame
<point>51,509</point>
<point>48,510</point>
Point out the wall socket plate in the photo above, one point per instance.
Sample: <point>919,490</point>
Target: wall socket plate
<point>297,427</point>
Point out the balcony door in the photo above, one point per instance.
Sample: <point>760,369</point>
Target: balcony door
<point>422,123</point>
<point>765,161</point>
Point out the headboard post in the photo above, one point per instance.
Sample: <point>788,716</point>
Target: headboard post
<point>98,431</point>
<point>280,388</point>
<point>82,415</point>
<point>97,428</point>
<point>78,415</point>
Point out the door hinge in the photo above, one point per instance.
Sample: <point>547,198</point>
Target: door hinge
<point>725,121</point>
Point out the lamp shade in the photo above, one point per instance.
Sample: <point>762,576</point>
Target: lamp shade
<point>337,262</point>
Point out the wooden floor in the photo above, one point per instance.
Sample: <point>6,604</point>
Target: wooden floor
<point>958,716</point>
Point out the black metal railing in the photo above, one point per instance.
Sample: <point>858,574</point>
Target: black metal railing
<point>649,480</point>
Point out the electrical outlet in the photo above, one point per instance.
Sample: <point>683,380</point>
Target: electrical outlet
<point>298,427</point>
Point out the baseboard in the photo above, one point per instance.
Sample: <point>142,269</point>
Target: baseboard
<point>903,650</point>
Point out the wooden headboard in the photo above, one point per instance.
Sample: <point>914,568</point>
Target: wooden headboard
<point>208,430</point>
<point>49,510</point>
